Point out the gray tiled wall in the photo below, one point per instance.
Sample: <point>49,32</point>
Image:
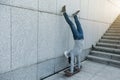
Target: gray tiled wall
<point>5,54</point>
<point>24,37</point>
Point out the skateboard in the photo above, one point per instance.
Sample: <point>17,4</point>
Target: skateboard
<point>69,74</point>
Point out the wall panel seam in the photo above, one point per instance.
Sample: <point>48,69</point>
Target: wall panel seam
<point>54,13</point>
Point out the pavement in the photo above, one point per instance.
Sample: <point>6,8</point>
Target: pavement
<point>91,71</point>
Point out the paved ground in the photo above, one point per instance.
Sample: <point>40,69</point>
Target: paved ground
<point>91,71</point>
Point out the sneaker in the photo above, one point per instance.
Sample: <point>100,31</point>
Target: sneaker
<point>76,13</point>
<point>63,9</point>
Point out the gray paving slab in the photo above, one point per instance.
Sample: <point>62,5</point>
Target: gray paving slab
<point>110,73</point>
<point>91,71</point>
<point>92,67</point>
<point>98,78</point>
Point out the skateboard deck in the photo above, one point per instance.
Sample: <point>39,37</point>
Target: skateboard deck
<point>69,74</point>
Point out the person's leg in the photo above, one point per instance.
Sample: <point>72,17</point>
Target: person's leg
<point>69,59</point>
<point>72,26</point>
<point>78,61</point>
<point>72,63</point>
<point>79,28</point>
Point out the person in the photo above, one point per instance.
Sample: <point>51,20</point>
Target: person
<point>78,36</point>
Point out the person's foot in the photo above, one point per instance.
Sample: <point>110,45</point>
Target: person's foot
<point>76,13</point>
<point>63,9</point>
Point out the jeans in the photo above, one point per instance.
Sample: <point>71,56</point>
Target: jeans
<point>77,33</point>
<point>75,53</point>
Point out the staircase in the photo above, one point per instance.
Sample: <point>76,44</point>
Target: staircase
<point>107,49</point>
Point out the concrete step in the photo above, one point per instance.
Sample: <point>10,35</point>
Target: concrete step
<point>105,55</point>
<point>112,34</point>
<point>116,22</point>
<point>109,41</point>
<point>109,45</point>
<point>114,26</point>
<point>117,19</point>
<point>97,53</point>
<point>111,37</point>
<point>113,31</point>
<point>106,49</point>
<point>95,58</point>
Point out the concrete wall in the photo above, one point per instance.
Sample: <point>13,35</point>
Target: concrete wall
<point>34,35</point>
